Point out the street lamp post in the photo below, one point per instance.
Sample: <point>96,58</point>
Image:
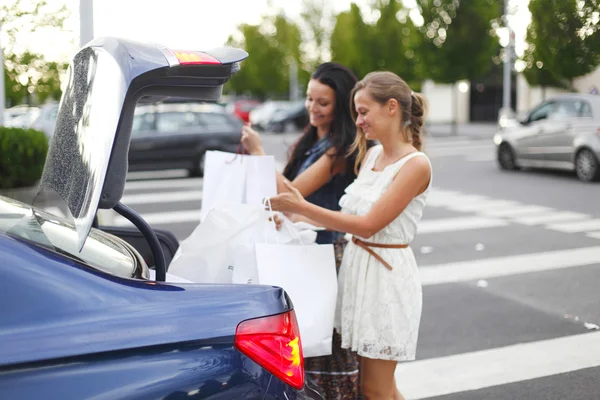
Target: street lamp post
<point>86,21</point>
<point>2,90</point>
<point>508,57</point>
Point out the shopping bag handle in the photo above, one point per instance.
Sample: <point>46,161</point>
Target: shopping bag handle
<point>267,203</point>
<point>240,150</point>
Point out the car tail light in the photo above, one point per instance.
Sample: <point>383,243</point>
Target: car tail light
<point>194,57</point>
<point>274,343</point>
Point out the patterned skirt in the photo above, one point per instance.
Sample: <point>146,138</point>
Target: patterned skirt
<point>336,375</point>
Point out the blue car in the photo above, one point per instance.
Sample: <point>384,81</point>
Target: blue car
<point>80,316</point>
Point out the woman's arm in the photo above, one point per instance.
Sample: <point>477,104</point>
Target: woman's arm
<point>413,180</point>
<point>307,182</point>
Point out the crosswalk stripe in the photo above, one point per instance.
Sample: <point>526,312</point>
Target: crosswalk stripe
<point>511,265</point>
<point>555,216</point>
<point>159,174</point>
<point>516,211</point>
<point>458,224</point>
<point>437,143</point>
<point>487,205</point>
<point>594,235</point>
<point>497,366</point>
<point>164,184</point>
<point>456,150</point>
<point>573,227</point>
<point>164,218</point>
<point>166,197</point>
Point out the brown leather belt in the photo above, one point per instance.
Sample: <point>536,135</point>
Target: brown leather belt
<point>367,246</point>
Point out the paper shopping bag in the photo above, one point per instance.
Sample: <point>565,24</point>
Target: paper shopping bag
<point>236,178</point>
<point>261,179</point>
<point>224,180</point>
<point>307,273</point>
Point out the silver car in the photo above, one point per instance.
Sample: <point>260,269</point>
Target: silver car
<point>563,132</point>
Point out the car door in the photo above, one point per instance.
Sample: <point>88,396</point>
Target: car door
<point>143,147</point>
<point>558,139</point>
<point>178,134</point>
<point>529,140</point>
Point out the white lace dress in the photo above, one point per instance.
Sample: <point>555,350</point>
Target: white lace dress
<point>378,310</point>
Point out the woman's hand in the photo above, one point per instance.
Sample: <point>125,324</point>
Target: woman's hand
<point>251,141</point>
<point>288,202</point>
<point>278,221</point>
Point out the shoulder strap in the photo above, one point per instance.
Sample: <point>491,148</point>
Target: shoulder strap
<point>394,171</point>
<point>373,156</point>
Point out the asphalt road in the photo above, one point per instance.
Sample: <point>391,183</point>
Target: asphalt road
<point>510,265</point>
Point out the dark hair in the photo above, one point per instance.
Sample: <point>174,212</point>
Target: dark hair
<point>343,129</point>
<point>383,86</point>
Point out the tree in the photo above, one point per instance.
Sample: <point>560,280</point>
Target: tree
<point>394,41</point>
<point>351,42</point>
<point>564,43</point>
<point>24,70</point>
<point>458,41</point>
<point>317,18</point>
<point>271,46</point>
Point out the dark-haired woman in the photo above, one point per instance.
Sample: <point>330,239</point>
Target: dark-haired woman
<point>321,166</point>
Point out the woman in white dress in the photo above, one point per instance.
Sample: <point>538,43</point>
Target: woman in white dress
<point>380,298</point>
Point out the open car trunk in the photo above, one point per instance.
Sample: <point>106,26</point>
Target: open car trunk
<point>87,160</point>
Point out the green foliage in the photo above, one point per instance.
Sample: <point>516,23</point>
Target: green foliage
<point>351,42</point>
<point>22,156</point>
<point>27,73</point>
<point>458,41</point>
<point>562,44</point>
<point>271,46</point>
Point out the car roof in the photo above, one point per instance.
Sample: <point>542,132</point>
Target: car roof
<point>181,107</point>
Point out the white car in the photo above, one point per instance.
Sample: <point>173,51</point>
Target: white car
<point>563,132</point>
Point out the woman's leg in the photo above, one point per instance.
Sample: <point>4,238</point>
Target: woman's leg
<point>377,380</point>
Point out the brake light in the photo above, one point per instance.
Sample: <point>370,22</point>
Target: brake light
<point>194,57</point>
<point>274,343</point>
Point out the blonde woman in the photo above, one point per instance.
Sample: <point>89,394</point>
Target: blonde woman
<point>380,298</point>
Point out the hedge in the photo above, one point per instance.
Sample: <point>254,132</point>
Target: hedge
<point>22,156</point>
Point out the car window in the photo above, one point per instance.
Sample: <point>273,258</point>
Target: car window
<point>585,110</point>
<point>542,112</point>
<point>142,123</point>
<point>217,121</point>
<point>176,121</point>
<point>566,109</point>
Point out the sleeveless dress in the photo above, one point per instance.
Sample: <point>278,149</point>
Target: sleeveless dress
<point>379,311</point>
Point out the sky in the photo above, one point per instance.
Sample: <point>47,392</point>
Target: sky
<point>189,24</point>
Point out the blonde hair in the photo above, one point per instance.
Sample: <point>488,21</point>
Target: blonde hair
<point>383,86</point>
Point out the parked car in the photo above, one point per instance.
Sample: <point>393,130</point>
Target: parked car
<point>177,136</point>
<point>561,133</point>
<point>242,108</point>
<point>46,119</point>
<point>261,116</point>
<point>292,119</point>
<point>81,318</point>
<point>20,116</point>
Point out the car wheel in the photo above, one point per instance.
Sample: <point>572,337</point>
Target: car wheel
<point>506,157</point>
<point>587,166</point>
<point>198,170</point>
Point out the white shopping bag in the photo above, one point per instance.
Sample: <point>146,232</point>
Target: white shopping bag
<point>261,178</point>
<point>222,248</point>
<point>236,178</point>
<point>307,273</point>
